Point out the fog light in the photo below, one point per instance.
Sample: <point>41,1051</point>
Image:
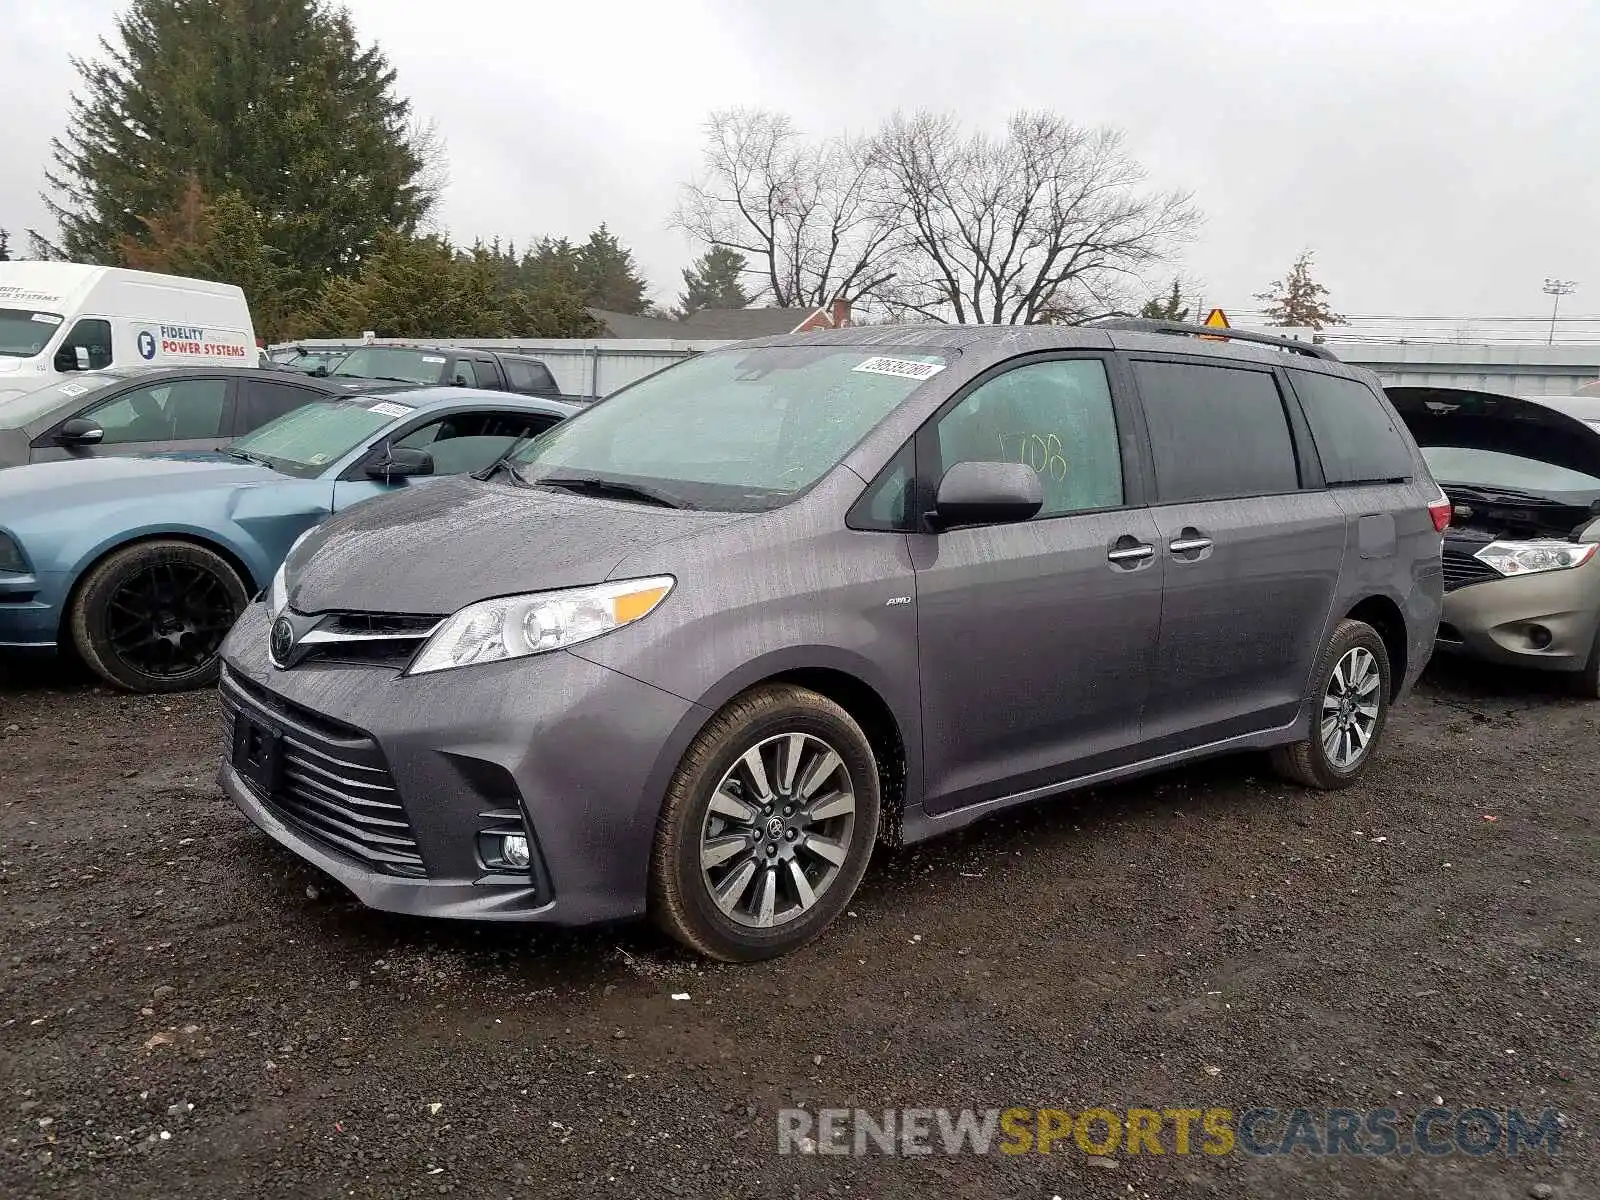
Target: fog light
<point>1539,636</point>
<point>514,850</point>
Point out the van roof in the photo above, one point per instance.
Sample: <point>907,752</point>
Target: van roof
<point>60,283</point>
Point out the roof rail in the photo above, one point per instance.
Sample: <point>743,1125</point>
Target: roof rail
<point>1183,329</point>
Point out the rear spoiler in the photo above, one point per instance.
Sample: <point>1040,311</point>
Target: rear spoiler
<point>1182,329</point>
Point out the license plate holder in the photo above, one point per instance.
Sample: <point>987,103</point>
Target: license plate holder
<point>257,752</point>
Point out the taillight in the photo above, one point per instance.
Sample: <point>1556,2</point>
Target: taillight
<point>1439,510</point>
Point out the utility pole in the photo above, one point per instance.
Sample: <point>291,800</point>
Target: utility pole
<point>1557,288</point>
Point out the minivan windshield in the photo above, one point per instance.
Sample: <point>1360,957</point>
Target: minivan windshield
<point>1492,469</point>
<point>305,442</point>
<point>24,331</point>
<point>392,362</point>
<point>740,430</point>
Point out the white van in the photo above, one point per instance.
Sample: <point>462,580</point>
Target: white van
<point>59,318</point>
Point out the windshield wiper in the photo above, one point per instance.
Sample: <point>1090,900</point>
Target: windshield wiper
<point>246,456</point>
<point>610,489</point>
<point>1492,494</point>
<point>503,463</point>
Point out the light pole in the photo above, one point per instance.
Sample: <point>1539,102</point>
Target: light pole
<point>1557,288</point>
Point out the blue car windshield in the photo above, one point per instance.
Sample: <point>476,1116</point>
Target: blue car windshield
<point>305,442</point>
<point>742,430</point>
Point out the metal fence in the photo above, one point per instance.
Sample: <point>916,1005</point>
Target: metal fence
<point>581,366</point>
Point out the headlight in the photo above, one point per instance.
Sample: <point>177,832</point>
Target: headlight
<point>11,555</point>
<point>517,626</point>
<point>1526,558</point>
<point>278,593</point>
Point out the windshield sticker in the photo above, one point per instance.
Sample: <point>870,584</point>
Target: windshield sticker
<point>47,318</point>
<point>73,389</point>
<point>317,460</point>
<point>433,358</point>
<point>901,368</point>
<point>390,410</point>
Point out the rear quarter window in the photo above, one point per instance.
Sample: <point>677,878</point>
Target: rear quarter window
<point>1356,438</point>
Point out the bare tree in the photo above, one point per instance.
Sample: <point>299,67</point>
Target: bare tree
<point>803,212</point>
<point>1047,222</point>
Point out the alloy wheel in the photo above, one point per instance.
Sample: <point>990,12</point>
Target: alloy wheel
<point>778,830</point>
<point>1350,708</point>
<point>169,618</point>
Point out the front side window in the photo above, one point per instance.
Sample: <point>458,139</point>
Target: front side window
<point>734,430</point>
<point>1356,440</point>
<point>1055,417</point>
<point>181,410</point>
<point>1216,432</point>
<point>25,331</point>
<point>307,441</point>
<point>395,363</point>
<point>465,442</point>
<point>91,335</point>
<point>260,402</point>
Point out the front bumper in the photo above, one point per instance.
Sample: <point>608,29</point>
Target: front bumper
<point>28,618</point>
<point>1500,619</point>
<point>580,753</point>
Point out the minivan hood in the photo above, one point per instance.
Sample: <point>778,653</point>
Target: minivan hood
<point>1442,416</point>
<point>435,548</point>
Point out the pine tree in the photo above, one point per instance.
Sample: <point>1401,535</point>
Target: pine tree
<point>1298,300</point>
<point>274,100</point>
<point>5,246</point>
<point>1167,308</point>
<point>713,281</point>
<point>607,276</point>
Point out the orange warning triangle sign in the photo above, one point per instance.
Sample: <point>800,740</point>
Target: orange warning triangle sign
<point>1217,319</point>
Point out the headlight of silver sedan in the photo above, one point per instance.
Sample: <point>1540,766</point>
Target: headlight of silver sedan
<point>1529,558</point>
<point>517,626</point>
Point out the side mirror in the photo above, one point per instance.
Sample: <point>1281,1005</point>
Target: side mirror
<point>401,462</point>
<point>987,493</point>
<point>80,431</point>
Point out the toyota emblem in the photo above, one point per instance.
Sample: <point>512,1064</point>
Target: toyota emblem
<point>281,643</point>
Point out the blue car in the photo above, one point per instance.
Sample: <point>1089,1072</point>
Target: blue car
<point>141,564</point>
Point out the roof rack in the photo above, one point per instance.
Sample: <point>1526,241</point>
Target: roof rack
<point>1182,329</point>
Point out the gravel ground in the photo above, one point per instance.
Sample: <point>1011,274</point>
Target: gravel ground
<point>186,1011</point>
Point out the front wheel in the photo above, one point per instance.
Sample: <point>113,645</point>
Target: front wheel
<point>1350,705</point>
<point>151,617</point>
<point>767,826</point>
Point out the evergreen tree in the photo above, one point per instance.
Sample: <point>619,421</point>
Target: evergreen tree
<point>274,100</point>
<point>5,246</point>
<point>221,240</point>
<point>1167,308</point>
<point>713,281</point>
<point>1298,300</point>
<point>607,276</point>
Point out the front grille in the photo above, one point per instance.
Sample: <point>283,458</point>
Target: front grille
<point>368,639</point>
<point>331,782</point>
<point>1461,568</point>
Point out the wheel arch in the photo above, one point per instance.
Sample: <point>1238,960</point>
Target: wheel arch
<point>1386,616</point>
<point>105,550</point>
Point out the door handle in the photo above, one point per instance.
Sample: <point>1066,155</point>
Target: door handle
<point>1131,554</point>
<point>1190,545</point>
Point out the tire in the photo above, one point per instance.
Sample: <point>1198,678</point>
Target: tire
<point>193,596</point>
<point>1588,681</point>
<point>1310,762</point>
<point>714,806</point>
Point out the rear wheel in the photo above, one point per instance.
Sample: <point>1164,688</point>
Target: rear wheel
<point>1589,677</point>
<point>1350,705</point>
<point>767,826</point>
<point>151,617</point>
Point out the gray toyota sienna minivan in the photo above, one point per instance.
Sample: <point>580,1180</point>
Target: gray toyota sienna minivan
<point>697,650</point>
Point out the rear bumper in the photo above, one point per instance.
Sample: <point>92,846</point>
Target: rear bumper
<point>575,754</point>
<point>1507,620</point>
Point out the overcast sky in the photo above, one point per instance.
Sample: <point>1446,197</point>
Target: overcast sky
<point>1439,155</point>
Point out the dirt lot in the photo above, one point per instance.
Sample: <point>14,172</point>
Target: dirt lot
<point>184,1010</point>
